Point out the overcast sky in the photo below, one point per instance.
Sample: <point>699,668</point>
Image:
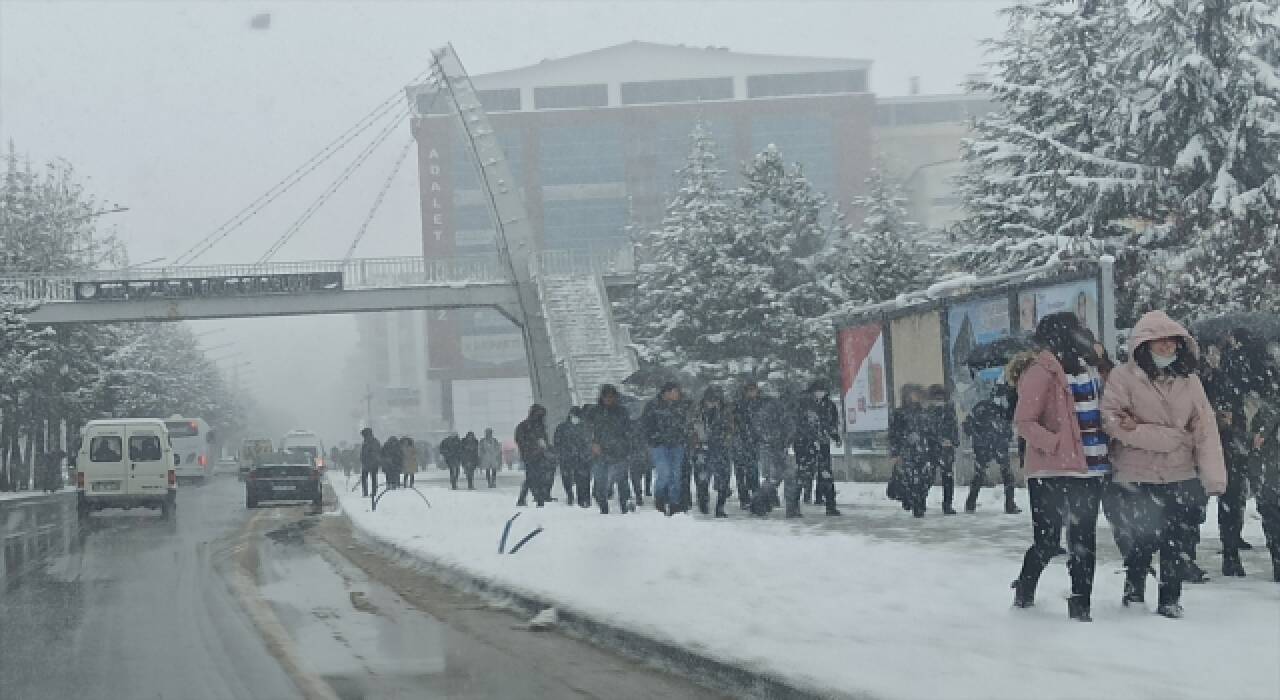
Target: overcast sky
<point>183,113</point>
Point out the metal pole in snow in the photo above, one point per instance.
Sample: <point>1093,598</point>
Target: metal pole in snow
<point>1107,301</point>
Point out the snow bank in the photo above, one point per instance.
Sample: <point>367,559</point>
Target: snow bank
<point>899,609</point>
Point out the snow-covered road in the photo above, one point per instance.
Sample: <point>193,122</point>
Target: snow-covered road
<point>875,603</point>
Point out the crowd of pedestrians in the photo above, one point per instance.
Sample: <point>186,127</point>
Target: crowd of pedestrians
<point>1147,442</point>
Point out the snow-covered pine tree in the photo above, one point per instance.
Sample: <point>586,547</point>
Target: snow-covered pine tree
<point>1046,174</point>
<point>678,259</point>
<point>885,256</point>
<point>1204,117</point>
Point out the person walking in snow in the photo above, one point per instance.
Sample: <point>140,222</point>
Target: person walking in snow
<point>1165,448</point>
<point>668,431</point>
<point>909,452</point>
<point>746,462</point>
<point>490,457</point>
<point>391,461</point>
<point>408,461</point>
<point>451,453</point>
<point>991,434</point>
<point>370,461</point>
<point>534,446</point>
<point>611,436</point>
<point>470,458</point>
<point>1066,459</point>
<point>574,449</point>
<point>941,437</point>
<point>1264,438</point>
<point>714,427</point>
<point>774,431</point>
<point>817,425</point>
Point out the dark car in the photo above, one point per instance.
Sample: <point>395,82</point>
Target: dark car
<point>282,480</point>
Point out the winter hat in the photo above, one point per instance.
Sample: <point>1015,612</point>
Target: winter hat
<point>608,390</point>
<point>668,386</point>
<point>366,432</point>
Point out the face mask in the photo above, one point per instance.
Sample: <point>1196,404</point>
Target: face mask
<point>1163,361</point>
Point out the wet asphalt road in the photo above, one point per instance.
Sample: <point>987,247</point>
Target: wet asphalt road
<point>142,608</point>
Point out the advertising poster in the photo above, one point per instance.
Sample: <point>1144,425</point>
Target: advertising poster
<point>972,325</point>
<point>1080,298</point>
<point>917,350</point>
<point>862,378</point>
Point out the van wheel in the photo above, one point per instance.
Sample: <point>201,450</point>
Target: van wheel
<point>166,510</point>
<point>318,501</point>
<point>250,501</point>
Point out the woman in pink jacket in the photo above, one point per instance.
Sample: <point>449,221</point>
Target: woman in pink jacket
<point>1058,416</point>
<point>1165,438</point>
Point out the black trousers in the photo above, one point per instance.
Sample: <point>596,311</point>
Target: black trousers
<point>579,473</point>
<point>947,466</point>
<point>981,463</point>
<point>1114,507</point>
<point>567,481</point>
<point>746,472</point>
<point>538,474</point>
<point>470,471</point>
<point>1058,502</point>
<point>454,470</point>
<point>365,476</point>
<point>1161,518</point>
<point>916,480</point>
<point>1231,504</point>
<point>1269,509</point>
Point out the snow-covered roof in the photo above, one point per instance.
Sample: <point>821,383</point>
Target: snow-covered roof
<point>644,60</point>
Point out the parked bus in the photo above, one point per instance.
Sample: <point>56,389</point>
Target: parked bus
<point>194,442</point>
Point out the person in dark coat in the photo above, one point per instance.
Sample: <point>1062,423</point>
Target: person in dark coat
<point>573,446</point>
<point>942,436</point>
<point>1243,370</point>
<point>909,451</point>
<point>370,461</point>
<point>535,452</point>
<point>668,431</point>
<point>1264,439</point>
<point>991,432</point>
<point>470,458</point>
<point>391,457</point>
<point>746,467</point>
<point>774,431</point>
<point>639,464</point>
<point>817,424</point>
<point>451,453</point>
<point>612,438</point>
<point>714,427</point>
<point>490,457</point>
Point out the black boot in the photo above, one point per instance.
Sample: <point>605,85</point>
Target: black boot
<point>948,494</point>
<point>1135,589</point>
<point>1024,596</point>
<point>1231,565</point>
<point>831,507</point>
<point>971,503</point>
<point>604,506</point>
<point>1170,599</point>
<point>1078,608</point>
<point>1010,507</point>
<point>1241,544</point>
<point>720,501</point>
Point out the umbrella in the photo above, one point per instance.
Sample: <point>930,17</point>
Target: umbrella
<point>998,352</point>
<point>1264,326</point>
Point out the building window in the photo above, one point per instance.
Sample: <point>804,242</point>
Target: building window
<point>824,83</point>
<point>951,111</point>
<point>581,155</point>
<point>473,232</point>
<point>584,224</point>
<point>807,140</point>
<point>568,96</point>
<point>504,100</point>
<point>656,91</point>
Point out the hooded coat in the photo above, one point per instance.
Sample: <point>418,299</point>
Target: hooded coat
<point>1177,436</point>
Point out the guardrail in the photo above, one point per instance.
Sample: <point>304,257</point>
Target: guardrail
<point>363,273</point>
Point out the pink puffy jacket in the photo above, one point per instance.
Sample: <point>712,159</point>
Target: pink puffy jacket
<point>1046,419</point>
<point>1177,436</point>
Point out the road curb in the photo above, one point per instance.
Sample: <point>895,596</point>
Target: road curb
<point>732,679</point>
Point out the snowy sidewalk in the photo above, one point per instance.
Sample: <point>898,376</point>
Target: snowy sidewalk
<point>873,604</point>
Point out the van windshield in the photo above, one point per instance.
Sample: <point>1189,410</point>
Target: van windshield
<point>182,428</point>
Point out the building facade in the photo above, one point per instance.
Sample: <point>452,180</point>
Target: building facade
<point>594,142</point>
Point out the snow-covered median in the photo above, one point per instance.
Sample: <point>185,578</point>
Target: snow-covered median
<point>902,610</point>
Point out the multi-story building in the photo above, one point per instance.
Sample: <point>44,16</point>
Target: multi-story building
<point>594,141</point>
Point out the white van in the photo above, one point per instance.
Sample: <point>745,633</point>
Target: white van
<point>307,442</point>
<point>126,463</point>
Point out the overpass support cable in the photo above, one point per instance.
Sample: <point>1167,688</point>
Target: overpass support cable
<point>377,202</point>
<point>285,184</point>
<point>334,186</point>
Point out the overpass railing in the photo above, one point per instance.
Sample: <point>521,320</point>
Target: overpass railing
<point>362,273</point>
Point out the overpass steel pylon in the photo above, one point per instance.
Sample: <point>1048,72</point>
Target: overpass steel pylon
<point>517,246</point>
